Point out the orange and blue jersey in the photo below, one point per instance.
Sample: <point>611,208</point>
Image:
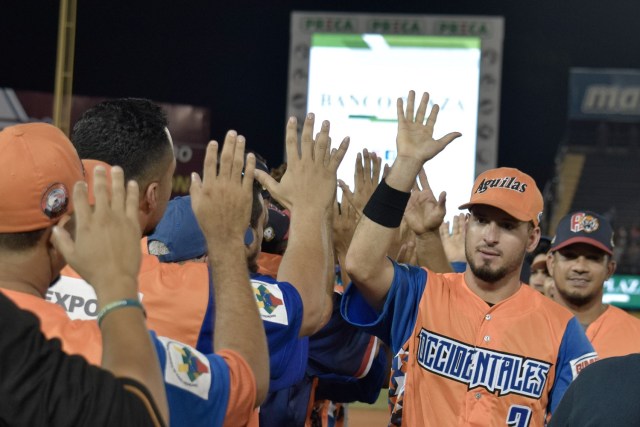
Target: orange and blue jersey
<point>180,305</point>
<point>471,363</point>
<point>344,365</point>
<point>202,390</point>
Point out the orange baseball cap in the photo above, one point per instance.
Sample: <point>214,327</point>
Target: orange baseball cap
<point>510,190</point>
<point>39,168</point>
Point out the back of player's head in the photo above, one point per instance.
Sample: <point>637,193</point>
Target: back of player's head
<point>40,168</point>
<point>128,132</point>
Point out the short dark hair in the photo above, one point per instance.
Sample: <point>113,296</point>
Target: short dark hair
<point>126,132</point>
<point>20,241</point>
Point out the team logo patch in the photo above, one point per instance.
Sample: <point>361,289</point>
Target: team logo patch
<point>269,234</point>
<point>497,372</point>
<point>186,368</point>
<point>55,200</point>
<point>270,302</point>
<point>582,362</point>
<point>582,222</point>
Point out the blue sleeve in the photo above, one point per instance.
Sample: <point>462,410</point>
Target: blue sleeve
<point>366,389</point>
<point>339,347</point>
<point>459,266</point>
<point>398,316</point>
<point>280,307</point>
<point>205,338</point>
<point>197,385</point>
<point>575,353</point>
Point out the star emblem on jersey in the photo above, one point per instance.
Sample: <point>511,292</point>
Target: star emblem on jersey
<point>266,300</point>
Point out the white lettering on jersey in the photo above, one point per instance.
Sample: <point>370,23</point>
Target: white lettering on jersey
<point>582,362</point>
<point>479,367</point>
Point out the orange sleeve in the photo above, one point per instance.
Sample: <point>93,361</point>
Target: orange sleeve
<point>242,391</point>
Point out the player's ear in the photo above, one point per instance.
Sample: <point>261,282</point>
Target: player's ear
<point>550,263</point>
<point>149,201</point>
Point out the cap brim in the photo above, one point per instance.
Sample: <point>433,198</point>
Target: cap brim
<point>519,217</point>
<point>586,240</point>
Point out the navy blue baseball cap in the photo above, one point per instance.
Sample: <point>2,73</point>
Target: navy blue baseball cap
<point>584,227</point>
<point>178,236</point>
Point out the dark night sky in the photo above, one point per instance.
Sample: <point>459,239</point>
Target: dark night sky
<point>232,57</point>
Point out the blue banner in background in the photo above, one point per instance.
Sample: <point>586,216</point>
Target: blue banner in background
<point>604,94</point>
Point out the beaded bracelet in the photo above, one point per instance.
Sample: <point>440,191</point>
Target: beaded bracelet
<point>123,303</point>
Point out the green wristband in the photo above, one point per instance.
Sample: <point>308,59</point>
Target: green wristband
<point>115,305</point>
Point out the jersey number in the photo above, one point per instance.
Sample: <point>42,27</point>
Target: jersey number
<point>519,416</point>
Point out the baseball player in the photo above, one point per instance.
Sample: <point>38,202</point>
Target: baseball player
<point>182,291</point>
<point>40,166</point>
<point>580,261</point>
<point>482,349</point>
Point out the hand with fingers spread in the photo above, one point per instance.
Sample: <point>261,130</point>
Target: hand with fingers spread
<point>366,179</point>
<point>106,248</point>
<point>308,190</point>
<point>310,179</point>
<point>424,212</point>
<point>415,137</point>
<point>222,203</point>
<point>222,200</point>
<point>454,242</point>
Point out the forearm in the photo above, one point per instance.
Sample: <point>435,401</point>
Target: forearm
<point>238,325</point>
<point>367,263</point>
<point>127,350</point>
<point>308,264</point>
<point>431,252</point>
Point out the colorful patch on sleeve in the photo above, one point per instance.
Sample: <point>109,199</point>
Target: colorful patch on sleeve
<point>186,368</point>
<point>270,302</point>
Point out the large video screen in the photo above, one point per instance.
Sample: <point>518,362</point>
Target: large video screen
<point>355,80</point>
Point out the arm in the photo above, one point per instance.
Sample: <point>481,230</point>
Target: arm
<point>424,215</point>
<point>344,224</point>
<point>367,264</point>
<point>222,205</point>
<point>307,189</point>
<point>106,253</point>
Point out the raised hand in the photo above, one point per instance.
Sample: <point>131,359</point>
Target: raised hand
<point>454,242</point>
<point>415,137</point>
<point>106,248</point>
<point>222,200</point>
<point>425,213</point>
<point>310,179</point>
<point>344,225</point>
<point>366,179</point>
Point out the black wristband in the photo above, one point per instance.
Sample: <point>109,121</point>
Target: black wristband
<point>386,205</point>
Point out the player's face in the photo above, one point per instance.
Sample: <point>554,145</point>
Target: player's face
<point>579,271</point>
<point>538,272</point>
<point>495,243</point>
